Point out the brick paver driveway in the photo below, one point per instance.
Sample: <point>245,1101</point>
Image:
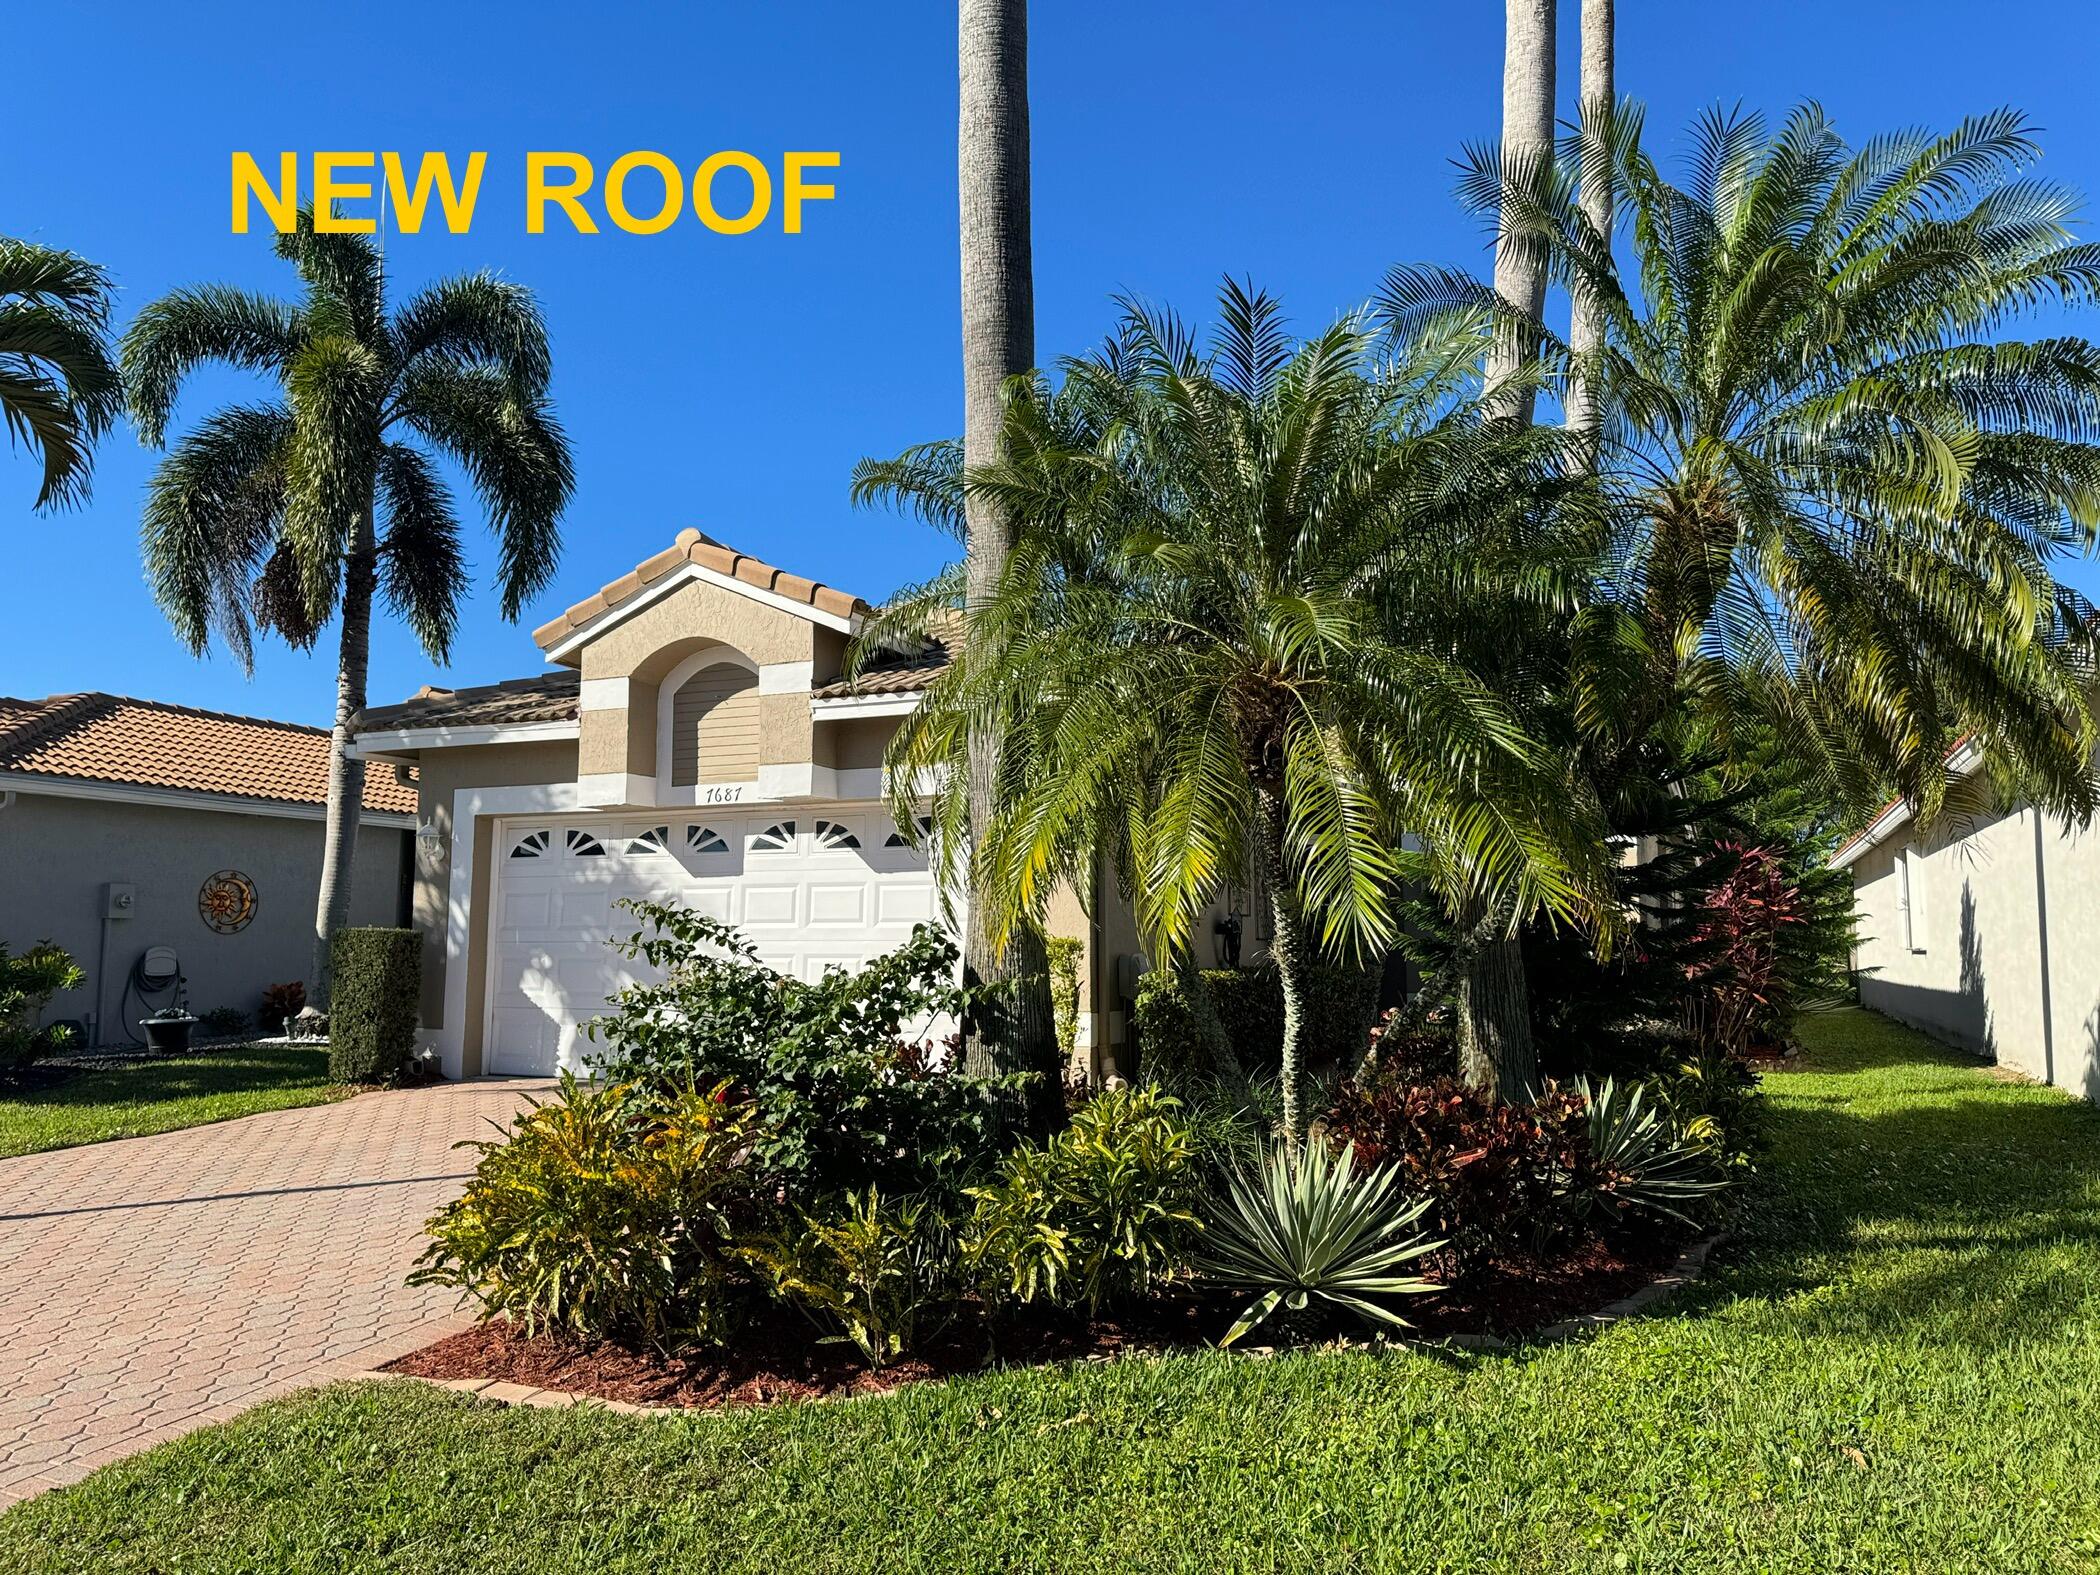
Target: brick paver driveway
<point>155,1284</point>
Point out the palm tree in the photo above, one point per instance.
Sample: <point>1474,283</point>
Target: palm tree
<point>59,388</point>
<point>1235,630</point>
<point>1597,95</point>
<point>1843,500</point>
<point>998,329</point>
<point>282,513</point>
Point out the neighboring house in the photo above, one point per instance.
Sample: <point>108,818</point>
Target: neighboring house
<point>127,825</point>
<point>1984,931</point>
<point>696,743</point>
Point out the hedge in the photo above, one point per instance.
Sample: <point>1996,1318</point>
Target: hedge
<point>377,983</point>
<point>1176,1030</point>
<point>1341,1006</point>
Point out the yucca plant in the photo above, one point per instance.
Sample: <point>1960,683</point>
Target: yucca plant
<point>1647,1160</point>
<point>1309,1227</point>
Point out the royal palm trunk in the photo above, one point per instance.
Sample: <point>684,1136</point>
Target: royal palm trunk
<point>346,775</point>
<point>998,322</point>
<point>1598,92</point>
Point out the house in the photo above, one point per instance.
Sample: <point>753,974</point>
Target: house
<point>128,825</point>
<point>1983,931</point>
<point>693,740</point>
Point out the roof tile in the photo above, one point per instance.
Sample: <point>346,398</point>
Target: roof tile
<point>146,743</point>
<point>541,697</point>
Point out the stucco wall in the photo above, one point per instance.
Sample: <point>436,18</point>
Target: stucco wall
<point>56,854</point>
<point>2004,957</point>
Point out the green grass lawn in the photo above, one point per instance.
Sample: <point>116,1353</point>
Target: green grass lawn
<point>160,1096</point>
<point>1896,1365</point>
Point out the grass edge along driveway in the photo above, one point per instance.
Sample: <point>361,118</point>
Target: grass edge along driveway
<point>1894,1366</point>
<point>143,1097</point>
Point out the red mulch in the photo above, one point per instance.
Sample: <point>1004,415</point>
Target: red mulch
<point>781,1357</point>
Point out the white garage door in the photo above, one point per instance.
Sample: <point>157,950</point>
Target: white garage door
<point>809,886</point>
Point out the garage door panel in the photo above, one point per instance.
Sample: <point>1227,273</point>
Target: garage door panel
<point>901,905</point>
<point>839,904</point>
<point>774,904</point>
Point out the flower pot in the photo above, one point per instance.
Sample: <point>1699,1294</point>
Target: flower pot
<point>169,1034</point>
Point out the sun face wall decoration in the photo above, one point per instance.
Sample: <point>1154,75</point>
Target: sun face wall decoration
<point>226,902</point>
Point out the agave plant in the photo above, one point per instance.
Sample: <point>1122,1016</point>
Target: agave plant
<point>1309,1226</point>
<point>1649,1161</point>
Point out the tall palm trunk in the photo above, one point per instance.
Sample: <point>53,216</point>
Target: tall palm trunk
<point>346,776</point>
<point>1598,92</point>
<point>1493,1001</point>
<point>1287,951</point>
<point>1527,145</point>
<point>998,322</point>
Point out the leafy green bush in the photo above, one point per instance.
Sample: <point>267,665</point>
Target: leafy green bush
<point>602,1214</point>
<point>1100,1213</point>
<point>1250,1005</point>
<point>224,1021</point>
<point>872,1267</point>
<point>1340,1009</point>
<point>844,1094</point>
<point>27,984</point>
<point>1064,953</point>
<point>1315,1229</point>
<point>1176,1031</point>
<point>1642,1158</point>
<point>377,982</point>
<point>1499,1179</point>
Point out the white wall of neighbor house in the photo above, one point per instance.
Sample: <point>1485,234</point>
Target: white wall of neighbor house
<point>58,854</point>
<point>1985,932</point>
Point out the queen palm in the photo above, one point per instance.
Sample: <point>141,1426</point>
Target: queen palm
<point>282,513</point>
<point>1844,496</point>
<point>59,388</point>
<point>1235,628</point>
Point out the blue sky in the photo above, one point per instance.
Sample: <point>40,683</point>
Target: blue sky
<point>730,382</point>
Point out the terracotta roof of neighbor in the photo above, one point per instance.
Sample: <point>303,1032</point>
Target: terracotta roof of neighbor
<point>692,547</point>
<point>144,743</point>
<point>901,675</point>
<point>542,697</point>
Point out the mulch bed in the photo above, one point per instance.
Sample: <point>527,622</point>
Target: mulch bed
<point>781,1358</point>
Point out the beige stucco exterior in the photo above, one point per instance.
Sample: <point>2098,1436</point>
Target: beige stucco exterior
<point>1997,947</point>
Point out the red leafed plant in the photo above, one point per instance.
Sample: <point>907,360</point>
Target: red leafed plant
<point>1741,991</point>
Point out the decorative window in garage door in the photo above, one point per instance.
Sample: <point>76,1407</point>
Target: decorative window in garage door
<point>897,839</point>
<point>705,839</point>
<point>583,845</point>
<point>532,845</point>
<point>830,834</point>
<point>776,838</point>
<point>655,840</point>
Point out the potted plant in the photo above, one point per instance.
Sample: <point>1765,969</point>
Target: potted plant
<point>168,1030</point>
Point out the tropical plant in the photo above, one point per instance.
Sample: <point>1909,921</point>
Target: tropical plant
<point>1842,496</point>
<point>1099,1213</point>
<point>871,1266</point>
<point>998,345</point>
<point>846,1089</point>
<point>1499,1179</point>
<point>600,1213</point>
<point>1309,1226</point>
<point>282,513</point>
<point>59,386</point>
<point>1234,632</point>
<point>27,983</point>
<point>1644,1159</point>
<point>1596,101</point>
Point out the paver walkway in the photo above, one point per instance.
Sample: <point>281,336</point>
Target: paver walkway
<point>156,1284</point>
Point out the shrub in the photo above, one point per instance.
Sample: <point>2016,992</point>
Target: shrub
<point>1064,954</point>
<point>1642,1158</point>
<point>224,1021</point>
<point>377,979</point>
<point>27,984</point>
<point>280,1004</point>
<point>1176,1030</point>
<point>1413,1048</point>
<point>1341,1006</point>
<point>1100,1213</point>
<point>845,1093</point>
<point>871,1267</point>
<point>601,1214</point>
<point>1498,1178</point>
<point>1315,1229</point>
<point>1714,1094</point>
